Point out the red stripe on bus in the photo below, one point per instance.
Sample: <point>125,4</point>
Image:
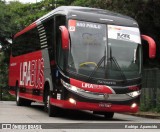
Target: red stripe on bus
<point>28,96</point>
<point>31,97</point>
<point>33,25</point>
<point>91,87</point>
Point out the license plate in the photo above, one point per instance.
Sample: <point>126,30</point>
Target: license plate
<point>105,105</point>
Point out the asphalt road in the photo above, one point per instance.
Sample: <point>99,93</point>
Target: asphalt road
<point>70,120</point>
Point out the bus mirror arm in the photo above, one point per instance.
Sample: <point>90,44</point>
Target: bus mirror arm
<point>152,45</point>
<point>65,37</point>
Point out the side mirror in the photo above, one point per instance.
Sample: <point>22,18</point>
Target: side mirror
<point>152,45</point>
<point>65,37</point>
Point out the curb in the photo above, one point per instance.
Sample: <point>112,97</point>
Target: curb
<point>146,115</point>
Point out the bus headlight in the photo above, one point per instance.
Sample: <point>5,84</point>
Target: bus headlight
<point>135,93</point>
<point>70,87</point>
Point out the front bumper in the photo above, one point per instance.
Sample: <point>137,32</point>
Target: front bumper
<point>104,107</point>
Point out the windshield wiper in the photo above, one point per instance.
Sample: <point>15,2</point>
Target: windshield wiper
<point>96,68</point>
<point>98,65</point>
<point>119,68</point>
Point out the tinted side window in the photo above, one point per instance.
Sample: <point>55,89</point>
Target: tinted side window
<point>26,43</point>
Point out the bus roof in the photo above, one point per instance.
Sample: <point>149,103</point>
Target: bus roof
<point>93,15</point>
<point>85,14</point>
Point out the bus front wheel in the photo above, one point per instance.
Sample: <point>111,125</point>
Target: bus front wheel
<point>51,109</point>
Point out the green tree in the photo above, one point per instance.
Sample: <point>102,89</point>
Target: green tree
<point>14,17</point>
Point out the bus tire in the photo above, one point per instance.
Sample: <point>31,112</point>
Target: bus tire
<point>52,110</point>
<point>48,107</point>
<point>20,101</point>
<point>109,115</point>
<point>46,99</point>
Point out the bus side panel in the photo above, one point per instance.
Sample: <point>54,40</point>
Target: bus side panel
<point>47,69</point>
<point>28,71</point>
<point>13,71</point>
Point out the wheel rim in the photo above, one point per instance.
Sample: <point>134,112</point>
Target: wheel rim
<point>17,95</point>
<point>47,102</point>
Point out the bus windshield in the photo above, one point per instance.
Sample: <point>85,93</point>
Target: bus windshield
<point>93,53</point>
<point>125,57</point>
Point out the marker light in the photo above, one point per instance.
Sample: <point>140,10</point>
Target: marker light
<point>133,105</point>
<point>72,101</point>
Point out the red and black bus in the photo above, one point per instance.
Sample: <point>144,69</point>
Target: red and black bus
<point>79,58</point>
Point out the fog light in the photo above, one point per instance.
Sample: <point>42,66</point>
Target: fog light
<point>72,101</point>
<point>133,105</point>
